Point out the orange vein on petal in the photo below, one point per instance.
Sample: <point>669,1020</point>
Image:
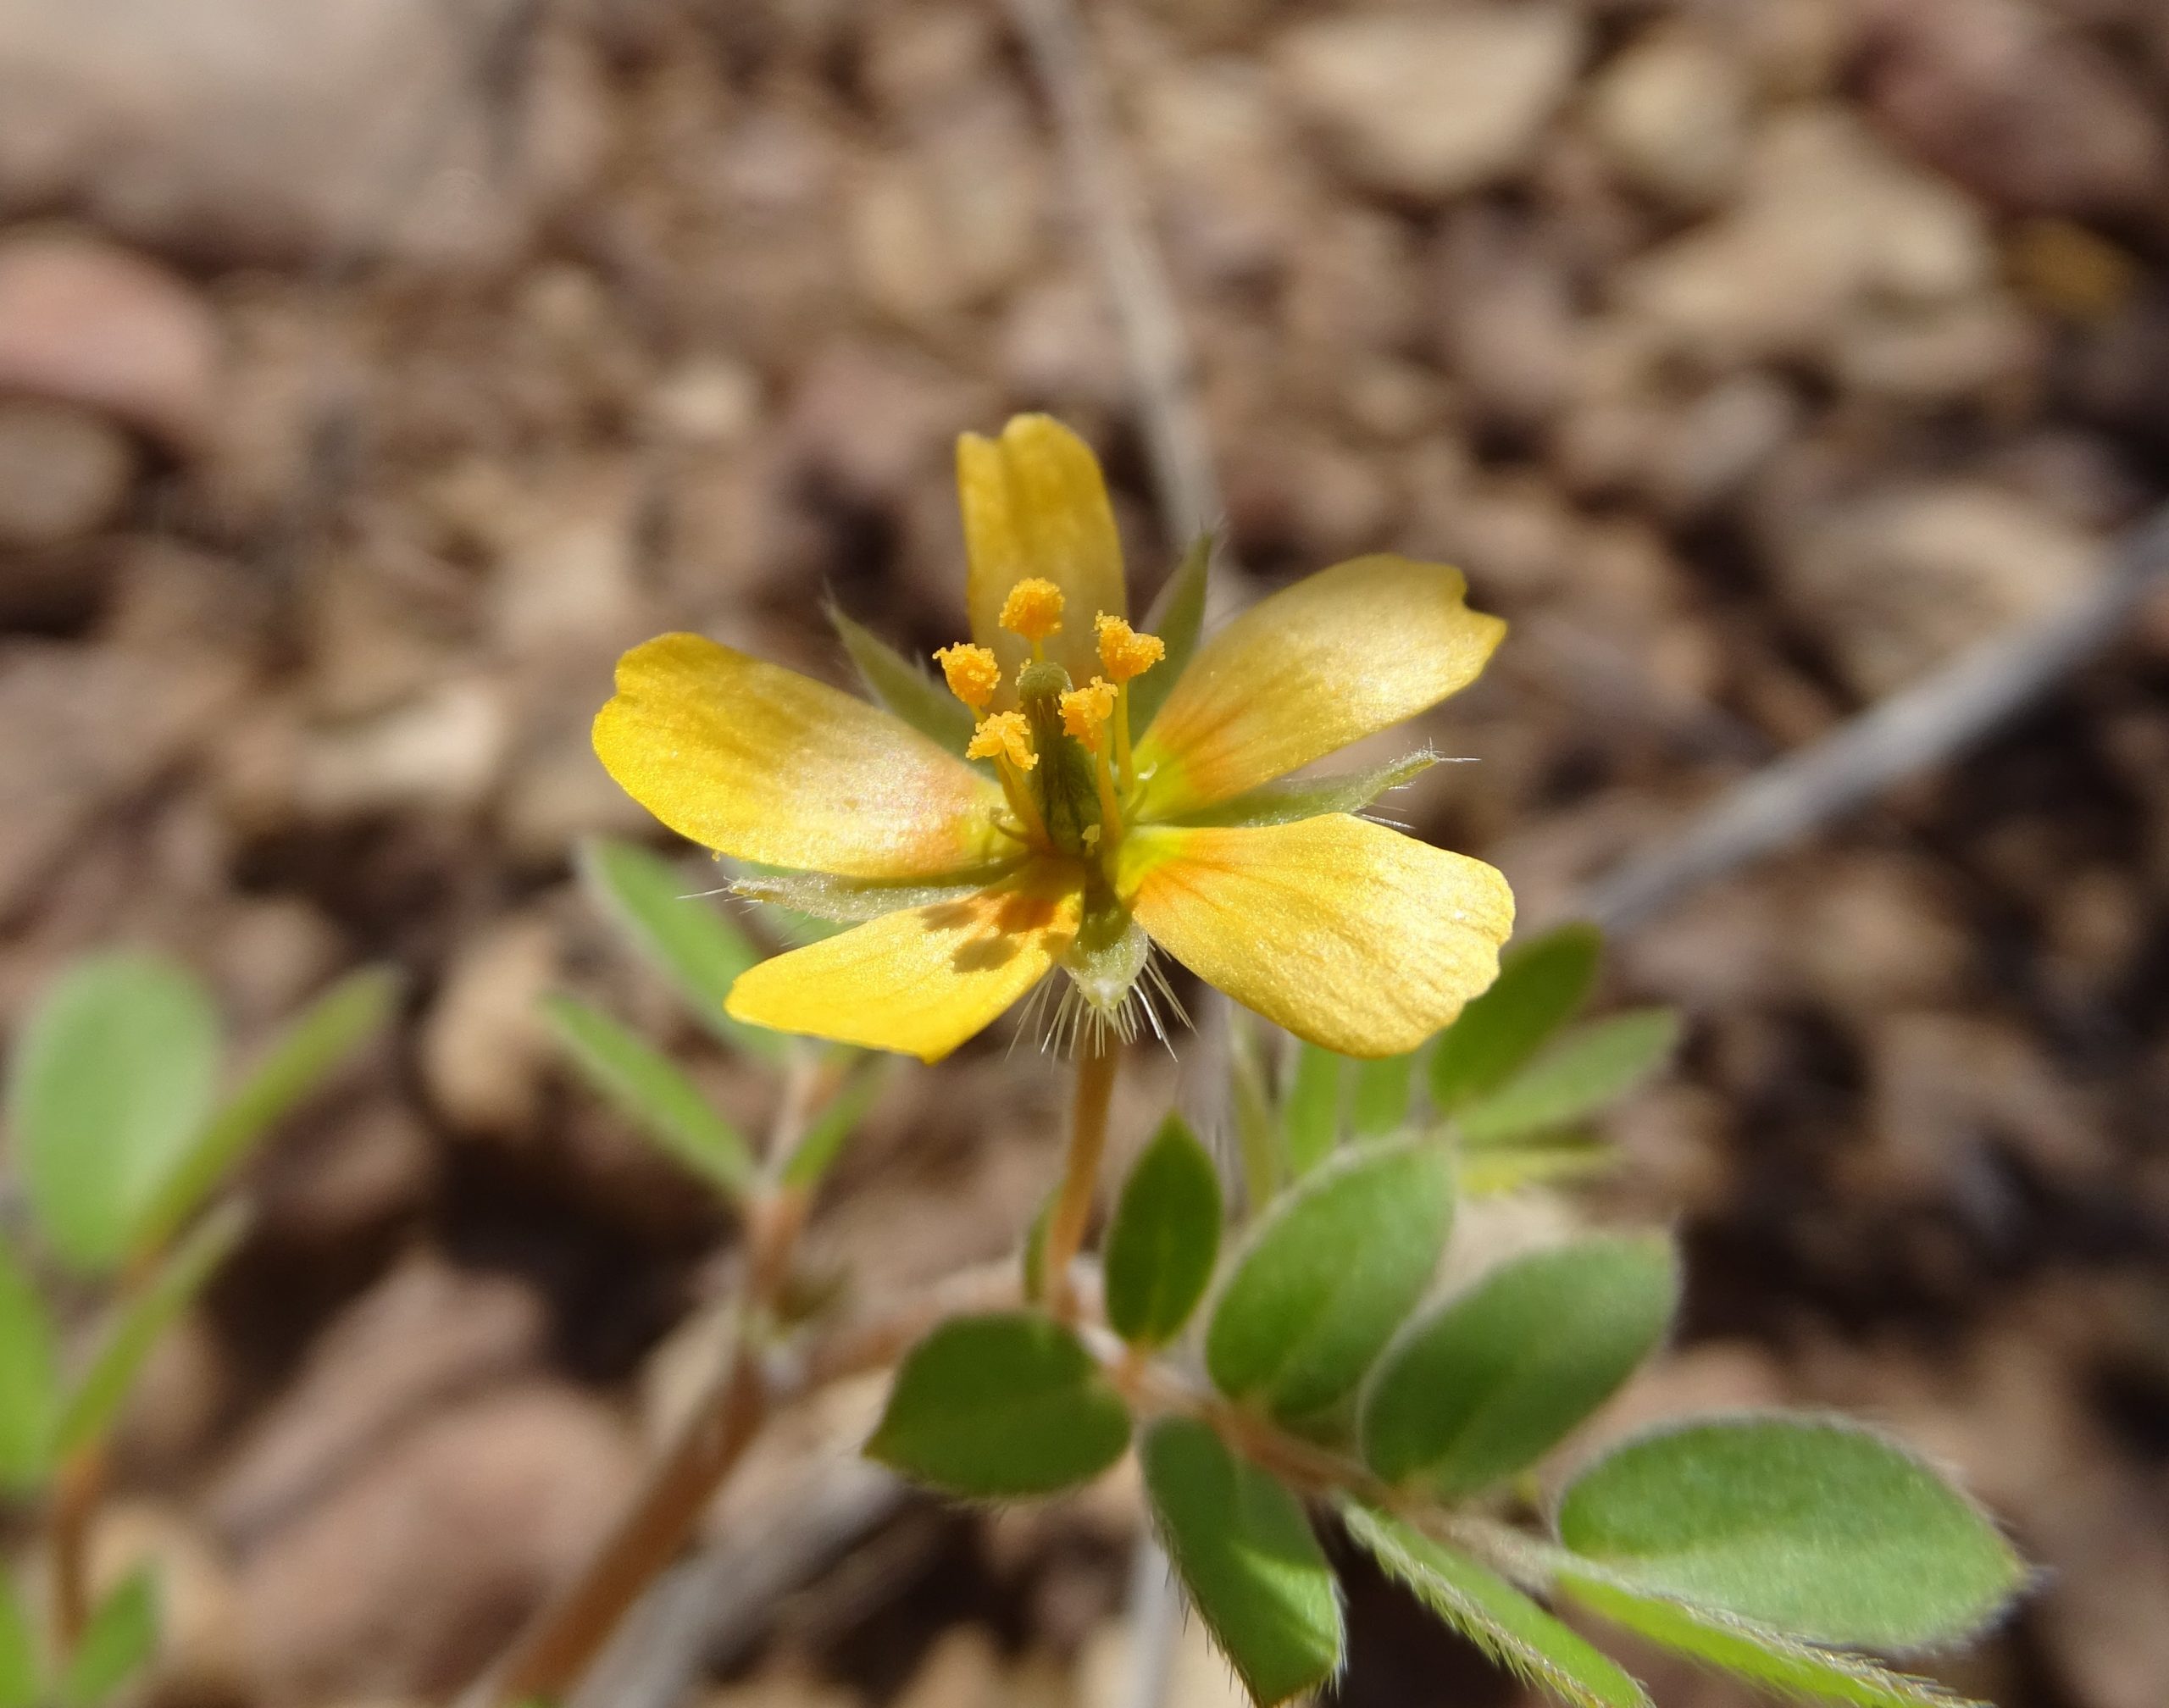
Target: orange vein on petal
<point>1350,935</point>
<point>757,761</point>
<point>924,980</point>
<point>1348,651</point>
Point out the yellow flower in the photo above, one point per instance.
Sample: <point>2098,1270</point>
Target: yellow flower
<point>1079,851</point>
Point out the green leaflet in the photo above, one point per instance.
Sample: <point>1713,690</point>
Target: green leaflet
<point>1540,985</point>
<point>1581,1074</point>
<point>1178,619</point>
<point>905,687</point>
<point>1327,1276</point>
<point>1379,1103</point>
<point>29,1378</point>
<point>1819,1529</point>
<point>110,1083</point>
<point>1769,1658</point>
<point>1292,798</point>
<point>300,1058</point>
<point>682,937</point>
<point>1536,1159</point>
<point>1159,1250</point>
<point>1491,1380</point>
<point>1246,1553</point>
<point>21,1677</point>
<point>1508,1626</point>
<point>90,1410</point>
<point>1000,1406</point>
<point>117,1644</point>
<point>1310,1114</point>
<point>649,1090</point>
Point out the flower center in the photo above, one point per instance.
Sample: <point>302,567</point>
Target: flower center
<point>1064,756</point>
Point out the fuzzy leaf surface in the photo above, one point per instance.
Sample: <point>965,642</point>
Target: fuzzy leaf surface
<point>1540,985</point>
<point>1508,1626</point>
<point>1577,1076</point>
<point>1327,1275</point>
<point>652,1092</point>
<point>1245,1552</point>
<point>1491,1380</point>
<point>1003,1405</point>
<point>111,1080</point>
<point>1820,1529</point>
<point>1157,1259</point>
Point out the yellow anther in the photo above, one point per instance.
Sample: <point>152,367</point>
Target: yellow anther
<point>973,673</point>
<point>1032,609</point>
<point>1085,711</point>
<point>1004,735</point>
<point>1123,652</point>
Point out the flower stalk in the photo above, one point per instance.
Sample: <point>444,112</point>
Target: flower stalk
<point>1096,1062</point>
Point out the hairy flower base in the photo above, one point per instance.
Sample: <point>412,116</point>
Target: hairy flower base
<point>1074,844</point>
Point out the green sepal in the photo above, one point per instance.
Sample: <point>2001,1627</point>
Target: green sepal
<point>1178,618</point>
<point>29,1378</point>
<point>1246,1553</point>
<point>1005,1406</point>
<point>833,901</point>
<point>305,1054</point>
<point>1540,985</point>
<point>1107,957</point>
<point>1776,1662</point>
<point>1818,1528</point>
<point>116,1644</point>
<point>652,1093</point>
<point>690,942</point>
<point>1505,1625</point>
<point>1491,1380</point>
<point>111,1080</point>
<point>1327,1276</point>
<point>1160,1247</point>
<point>1291,798</point>
<point>1575,1078</point>
<point>904,687</point>
<point>139,1321</point>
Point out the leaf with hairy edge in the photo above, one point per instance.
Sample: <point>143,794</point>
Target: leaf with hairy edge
<point>21,1677</point>
<point>1491,1380</point>
<point>1508,1626</point>
<point>1160,1247</point>
<point>1000,1406</point>
<point>1290,798</point>
<point>1245,1551</point>
<point>1754,1652</point>
<point>1581,1074</point>
<point>1327,1275</point>
<point>300,1058</point>
<point>1178,619</point>
<point>904,687</point>
<point>90,1410</point>
<point>111,1080</point>
<point>117,1644</point>
<point>682,937</point>
<point>1540,985</point>
<point>1818,1528</point>
<point>649,1090</point>
<point>29,1378</point>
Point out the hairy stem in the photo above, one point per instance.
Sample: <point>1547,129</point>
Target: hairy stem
<point>1088,1140</point>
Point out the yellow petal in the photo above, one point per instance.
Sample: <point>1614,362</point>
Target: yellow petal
<point>1338,657</point>
<point>760,763</point>
<point>1351,935</point>
<point>922,981</point>
<point>1034,505</point>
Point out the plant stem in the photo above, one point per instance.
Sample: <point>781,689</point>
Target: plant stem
<point>1088,1140</point>
<point>76,1493</point>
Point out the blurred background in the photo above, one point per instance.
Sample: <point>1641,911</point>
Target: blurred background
<point>371,374</point>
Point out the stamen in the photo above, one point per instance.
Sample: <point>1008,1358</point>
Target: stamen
<point>973,672</point>
<point>1084,714</point>
<point>1123,652</point>
<point>1034,610</point>
<point>1004,735</point>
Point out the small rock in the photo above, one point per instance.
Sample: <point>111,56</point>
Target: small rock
<point>1431,104</point>
<point>65,473</point>
<point>86,322</point>
<point>482,1048</point>
<point>962,1670</point>
<point>1709,451</point>
<point>707,402</point>
<point>1507,317</point>
<point>1671,113</point>
<point>426,1563</point>
<point>443,752</point>
<point>567,575</point>
<point>1979,346</point>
